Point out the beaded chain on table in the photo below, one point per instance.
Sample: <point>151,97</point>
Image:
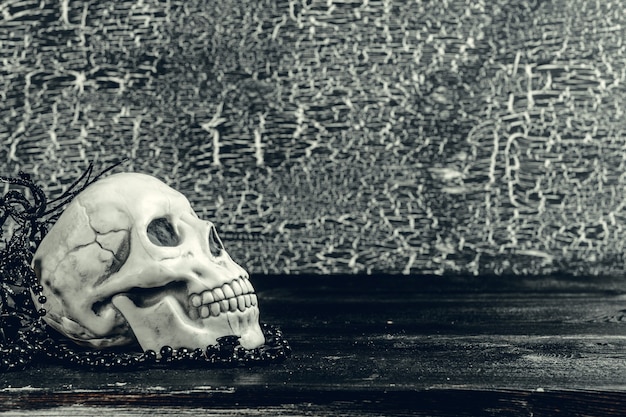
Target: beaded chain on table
<point>25,339</point>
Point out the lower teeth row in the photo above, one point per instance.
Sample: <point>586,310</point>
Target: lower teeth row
<point>241,302</point>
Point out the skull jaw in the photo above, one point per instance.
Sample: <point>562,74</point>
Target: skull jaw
<point>166,324</point>
<point>81,336</point>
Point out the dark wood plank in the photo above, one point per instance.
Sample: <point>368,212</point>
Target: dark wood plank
<point>389,345</point>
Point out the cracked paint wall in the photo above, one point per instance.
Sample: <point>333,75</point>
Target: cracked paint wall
<point>339,136</point>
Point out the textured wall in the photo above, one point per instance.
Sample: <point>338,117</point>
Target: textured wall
<point>341,136</point>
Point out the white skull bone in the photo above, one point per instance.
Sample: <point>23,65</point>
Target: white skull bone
<point>129,260</point>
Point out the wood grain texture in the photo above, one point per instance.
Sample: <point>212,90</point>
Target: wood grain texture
<point>385,346</point>
<point>340,136</point>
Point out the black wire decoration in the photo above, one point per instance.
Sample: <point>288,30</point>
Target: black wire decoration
<point>25,339</point>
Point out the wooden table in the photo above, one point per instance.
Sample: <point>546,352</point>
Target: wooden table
<point>386,345</point>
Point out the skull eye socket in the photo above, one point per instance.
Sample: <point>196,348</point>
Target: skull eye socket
<point>215,244</point>
<point>162,233</point>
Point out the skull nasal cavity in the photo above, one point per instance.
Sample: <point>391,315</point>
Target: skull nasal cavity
<point>162,233</point>
<point>215,244</point>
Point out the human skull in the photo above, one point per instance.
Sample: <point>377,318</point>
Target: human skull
<point>129,260</point>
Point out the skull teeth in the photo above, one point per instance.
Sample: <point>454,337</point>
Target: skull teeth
<point>236,295</point>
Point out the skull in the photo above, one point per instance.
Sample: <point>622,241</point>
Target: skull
<point>129,260</point>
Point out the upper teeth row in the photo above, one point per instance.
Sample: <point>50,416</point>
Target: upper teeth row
<point>227,297</point>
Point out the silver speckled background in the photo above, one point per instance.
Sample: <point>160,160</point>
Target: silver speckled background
<point>482,137</point>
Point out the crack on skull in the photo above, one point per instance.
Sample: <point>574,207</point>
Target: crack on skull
<point>117,246</point>
<point>97,242</point>
<point>89,220</point>
<point>120,254</point>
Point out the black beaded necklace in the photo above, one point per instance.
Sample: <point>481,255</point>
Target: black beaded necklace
<point>25,339</point>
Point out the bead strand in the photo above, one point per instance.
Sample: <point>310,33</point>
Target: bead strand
<point>227,352</point>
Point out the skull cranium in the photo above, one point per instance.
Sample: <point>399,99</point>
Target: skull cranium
<point>129,260</point>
